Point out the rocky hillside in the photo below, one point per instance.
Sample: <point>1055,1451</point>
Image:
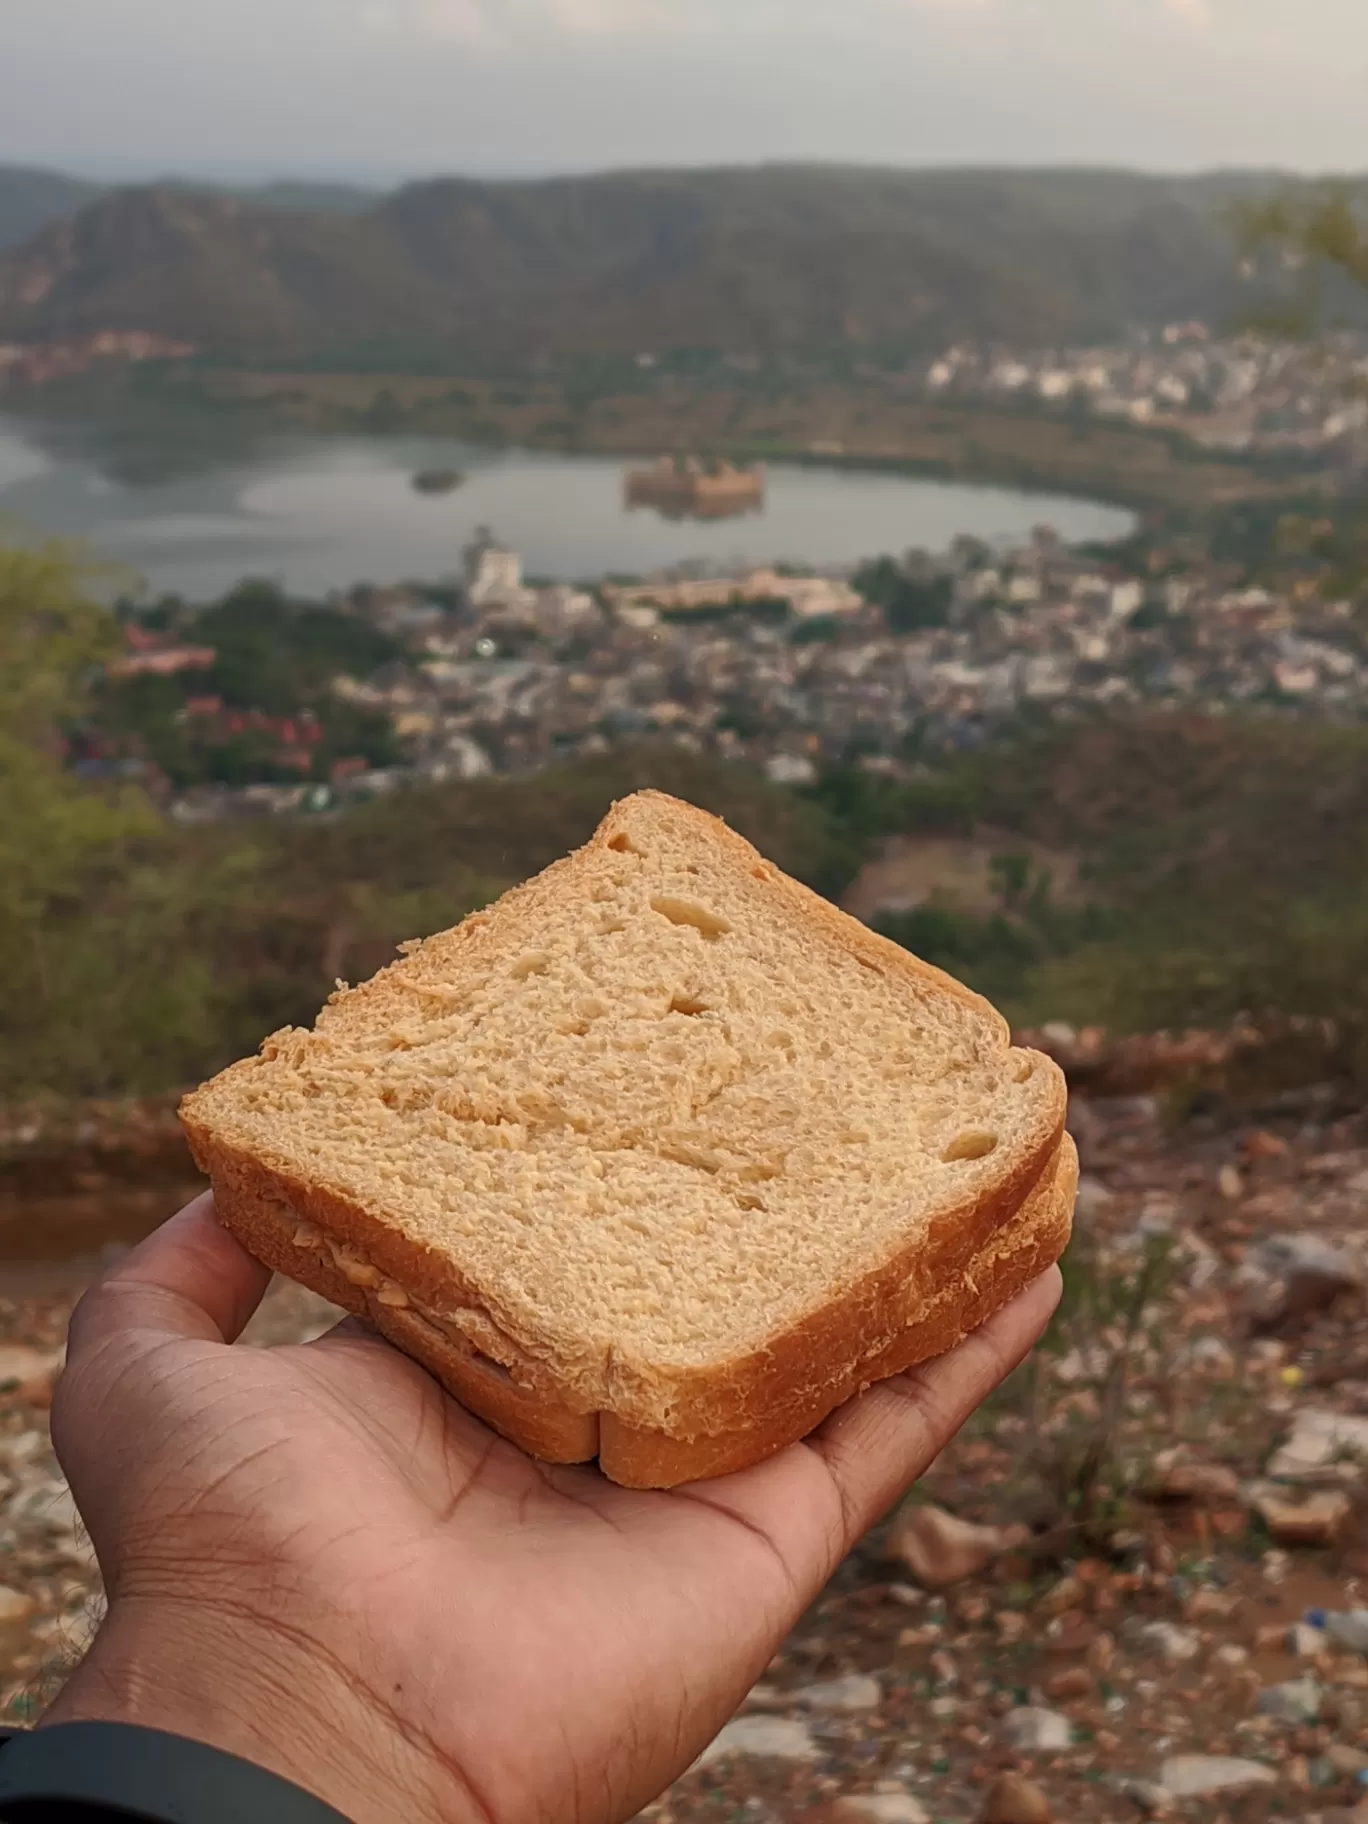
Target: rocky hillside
<point>1116,1596</point>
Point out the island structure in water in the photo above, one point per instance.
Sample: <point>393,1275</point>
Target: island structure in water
<point>438,481</point>
<point>689,488</point>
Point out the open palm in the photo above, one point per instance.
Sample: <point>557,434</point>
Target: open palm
<point>316,1559</point>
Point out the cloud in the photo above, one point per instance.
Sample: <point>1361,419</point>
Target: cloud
<point>587,16</point>
<point>514,23</point>
<point>454,21</point>
<point>1194,13</point>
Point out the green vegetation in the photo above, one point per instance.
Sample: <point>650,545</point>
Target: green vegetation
<point>141,955</point>
<point>1223,865</point>
<point>909,603</point>
<point>1225,871</point>
<point>265,709</point>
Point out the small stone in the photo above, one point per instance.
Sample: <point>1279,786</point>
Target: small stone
<point>774,1738</point>
<point>1348,1763</point>
<point>1320,1440</point>
<point>1073,1636</point>
<point>940,1549</point>
<point>1148,1796</point>
<point>1073,1682</point>
<point>1013,1799</point>
<point>1214,1357</point>
<point>1032,1730</point>
<point>766,1697</point>
<point>1010,1624</point>
<point>1172,1643</point>
<point>1260,1144</point>
<point>1305,1642</point>
<point>1192,1776</point>
<point>15,1606</point>
<point>1315,1520</point>
<point>906,1595</point>
<point>1207,1605</point>
<point>1231,1655</point>
<point>28,1372</point>
<point>1205,1484</point>
<point>1094,1199</point>
<point>1068,1593</point>
<point>1312,1273</point>
<point>855,1692</point>
<point>879,1808</point>
<point>1231,1184</point>
<point>1293,1703</point>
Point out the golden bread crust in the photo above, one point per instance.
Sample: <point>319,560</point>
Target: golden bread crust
<point>546,1424</point>
<point>778,1384</point>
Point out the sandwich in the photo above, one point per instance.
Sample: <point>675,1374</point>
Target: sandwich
<point>656,1162</point>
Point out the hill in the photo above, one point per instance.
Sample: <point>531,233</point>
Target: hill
<point>758,260</point>
<point>31,201</point>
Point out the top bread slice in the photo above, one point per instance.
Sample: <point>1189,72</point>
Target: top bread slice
<point>660,1136</point>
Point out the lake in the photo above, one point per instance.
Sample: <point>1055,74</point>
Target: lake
<point>318,514</point>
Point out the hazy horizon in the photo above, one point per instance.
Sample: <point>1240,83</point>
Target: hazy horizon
<point>114,173</point>
<point>376,91</point>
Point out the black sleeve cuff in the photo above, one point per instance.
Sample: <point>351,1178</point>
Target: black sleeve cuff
<point>96,1773</point>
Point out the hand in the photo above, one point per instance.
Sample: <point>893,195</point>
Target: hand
<point>318,1561</point>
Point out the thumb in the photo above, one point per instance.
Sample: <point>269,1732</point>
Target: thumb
<point>191,1279</point>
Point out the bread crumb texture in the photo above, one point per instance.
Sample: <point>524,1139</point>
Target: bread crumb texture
<point>646,1116</point>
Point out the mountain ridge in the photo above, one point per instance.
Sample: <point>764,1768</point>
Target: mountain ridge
<point>760,259</point>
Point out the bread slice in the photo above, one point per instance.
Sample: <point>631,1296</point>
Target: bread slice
<point>658,1160</point>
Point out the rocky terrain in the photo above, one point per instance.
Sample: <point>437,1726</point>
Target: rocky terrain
<point>1118,1595</point>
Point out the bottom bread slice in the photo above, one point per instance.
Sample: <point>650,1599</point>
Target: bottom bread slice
<point>1017,1253</point>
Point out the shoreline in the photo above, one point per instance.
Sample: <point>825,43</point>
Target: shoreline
<point>846,427</point>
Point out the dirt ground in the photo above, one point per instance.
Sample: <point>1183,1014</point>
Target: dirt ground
<point>1161,1619</point>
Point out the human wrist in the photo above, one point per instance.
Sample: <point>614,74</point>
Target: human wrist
<point>245,1687</point>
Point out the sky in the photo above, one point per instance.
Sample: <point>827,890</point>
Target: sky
<point>381,90</point>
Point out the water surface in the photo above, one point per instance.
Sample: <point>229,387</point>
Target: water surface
<point>323,513</point>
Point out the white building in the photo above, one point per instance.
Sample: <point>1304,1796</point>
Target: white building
<point>494,576</point>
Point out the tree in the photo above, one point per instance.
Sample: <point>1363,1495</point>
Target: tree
<point>53,635</point>
<point>909,603</point>
<point>1306,240</point>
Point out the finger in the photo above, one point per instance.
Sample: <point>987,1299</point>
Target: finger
<point>190,1279</point>
<point>879,1444</point>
